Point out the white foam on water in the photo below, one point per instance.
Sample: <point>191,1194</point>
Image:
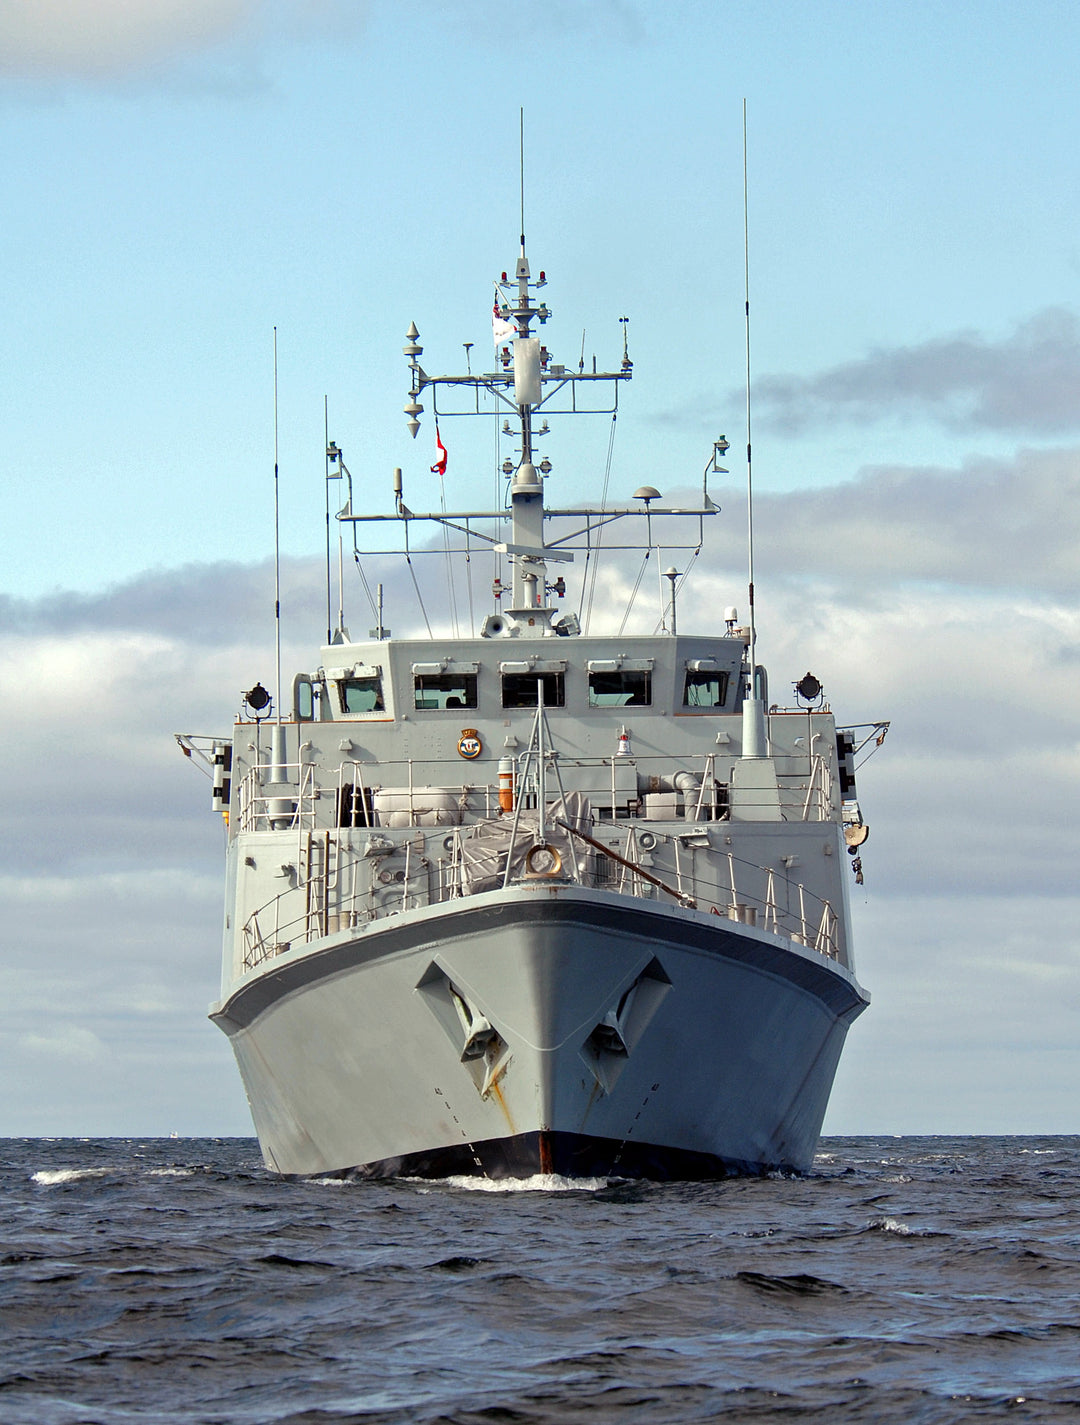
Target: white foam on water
<point>50,1177</point>
<point>170,1172</point>
<point>539,1182</point>
<point>892,1224</point>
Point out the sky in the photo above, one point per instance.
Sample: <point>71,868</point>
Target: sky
<point>184,180</point>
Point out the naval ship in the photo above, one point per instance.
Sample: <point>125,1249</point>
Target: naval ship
<point>536,900</point>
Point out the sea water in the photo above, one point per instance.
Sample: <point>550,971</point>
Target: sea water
<point>903,1279</point>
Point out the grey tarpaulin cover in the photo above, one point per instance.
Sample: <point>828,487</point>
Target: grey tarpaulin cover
<point>485,846</point>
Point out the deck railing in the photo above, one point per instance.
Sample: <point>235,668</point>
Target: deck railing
<point>328,892</point>
<point>695,791</point>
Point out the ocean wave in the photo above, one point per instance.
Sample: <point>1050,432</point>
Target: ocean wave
<point>798,1284</point>
<point>145,1280</point>
<point>891,1224</point>
<point>539,1182</point>
<point>52,1177</point>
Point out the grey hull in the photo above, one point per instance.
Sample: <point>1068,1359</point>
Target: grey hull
<point>546,1028</point>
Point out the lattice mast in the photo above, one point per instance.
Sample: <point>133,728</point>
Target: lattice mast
<point>525,380</point>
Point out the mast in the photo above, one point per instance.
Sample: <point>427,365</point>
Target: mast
<point>525,380</point>
<point>527,486</point>
<point>527,489</point>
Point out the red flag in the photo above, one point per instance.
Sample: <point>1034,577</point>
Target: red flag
<point>439,468</point>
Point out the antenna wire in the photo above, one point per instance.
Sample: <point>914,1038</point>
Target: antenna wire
<point>277,540</point>
<point>749,464</point>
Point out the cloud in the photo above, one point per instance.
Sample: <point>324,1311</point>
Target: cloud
<point>223,603</point>
<point>66,1041</point>
<point>1009,524</point>
<point>991,1002</point>
<point>108,37</point>
<point>1024,384</point>
<point>617,21</point>
<point>987,524</point>
<point>209,602</point>
<point>111,39</point>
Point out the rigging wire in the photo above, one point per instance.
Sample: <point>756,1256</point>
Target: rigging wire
<point>590,575</point>
<point>634,591</point>
<point>416,585</point>
<point>872,753</point>
<point>468,579</point>
<point>450,590</point>
<point>585,576</point>
<point>678,587</point>
<point>688,570</point>
<point>363,578</point>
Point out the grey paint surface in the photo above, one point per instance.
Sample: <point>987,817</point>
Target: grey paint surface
<point>349,1062</point>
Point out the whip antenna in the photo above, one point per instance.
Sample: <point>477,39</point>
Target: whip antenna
<point>754,735</point>
<point>326,444</point>
<point>277,539</point>
<point>521,169</point>
<point>749,460</point>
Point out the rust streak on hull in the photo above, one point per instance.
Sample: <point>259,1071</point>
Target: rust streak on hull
<point>496,1093</point>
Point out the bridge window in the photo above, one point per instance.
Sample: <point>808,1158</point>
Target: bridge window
<point>621,689</point>
<point>705,690</point>
<point>303,699</point>
<point>519,689</point>
<point>360,695</point>
<point>444,690</point>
